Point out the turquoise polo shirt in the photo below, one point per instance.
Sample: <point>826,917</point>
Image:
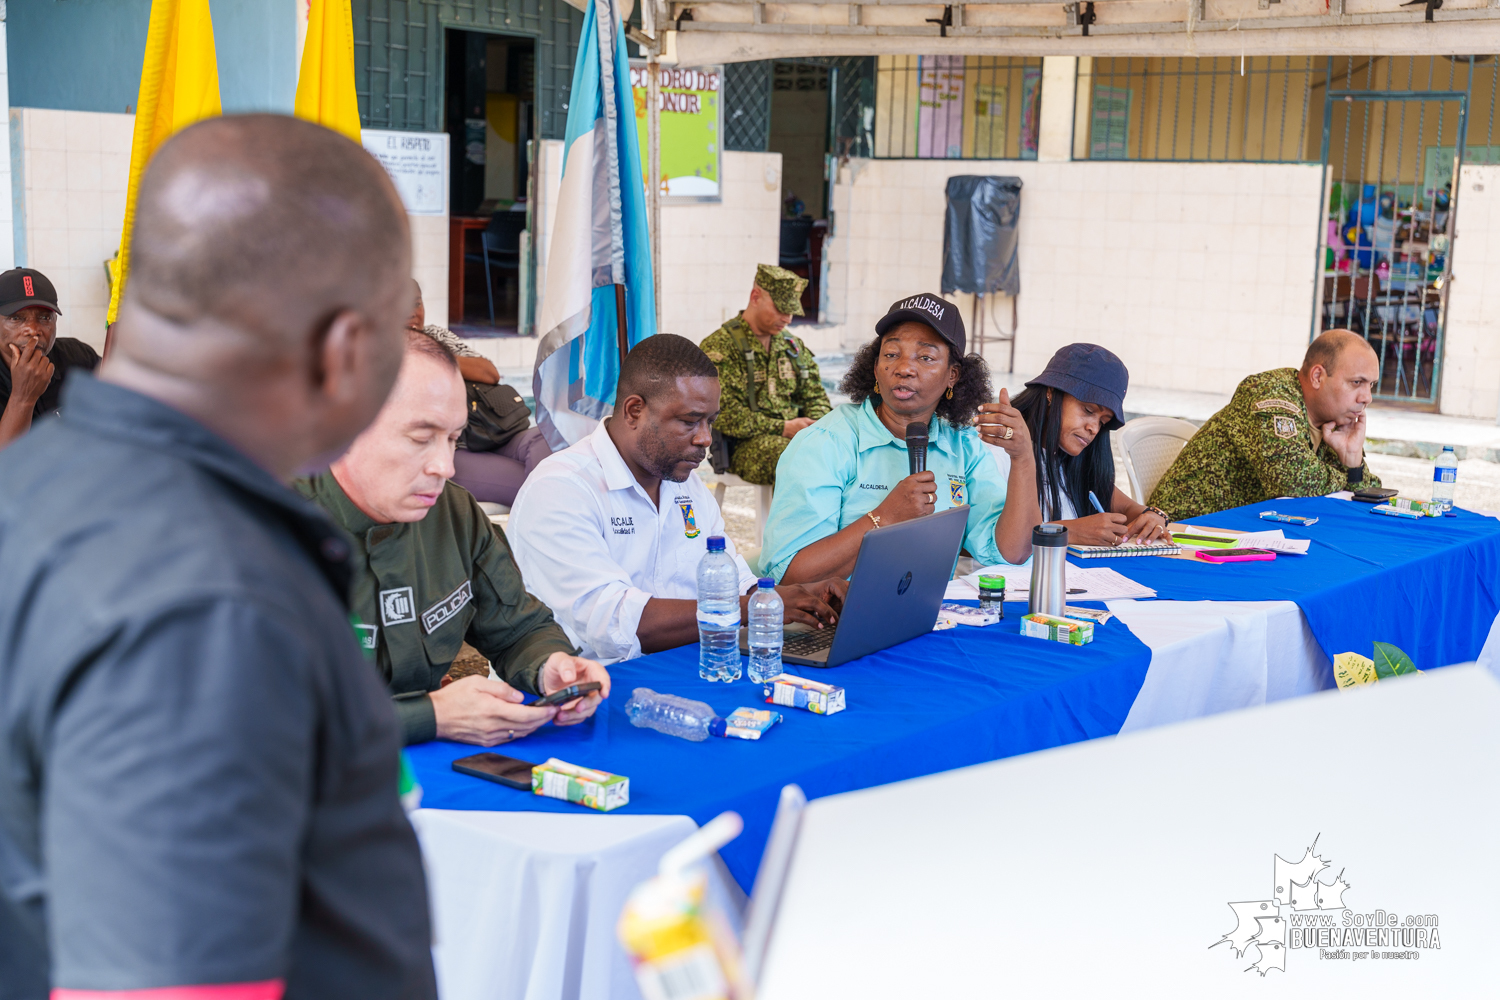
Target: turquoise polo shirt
<point>841,468</point>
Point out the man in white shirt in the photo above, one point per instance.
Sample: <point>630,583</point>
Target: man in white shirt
<point>609,533</point>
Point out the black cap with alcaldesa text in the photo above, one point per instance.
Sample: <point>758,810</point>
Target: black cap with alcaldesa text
<point>933,310</point>
<point>24,286</point>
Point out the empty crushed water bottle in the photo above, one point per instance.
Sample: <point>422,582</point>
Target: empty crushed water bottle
<point>670,714</point>
<point>765,631</point>
<point>718,614</point>
<point>1445,478</point>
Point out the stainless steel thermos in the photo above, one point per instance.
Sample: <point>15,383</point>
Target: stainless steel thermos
<point>1049,567</point>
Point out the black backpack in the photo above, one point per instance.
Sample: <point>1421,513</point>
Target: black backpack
<point>496,414</point>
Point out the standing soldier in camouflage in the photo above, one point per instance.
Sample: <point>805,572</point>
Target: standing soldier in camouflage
<point>1286,433</point>
<point>770,382</point>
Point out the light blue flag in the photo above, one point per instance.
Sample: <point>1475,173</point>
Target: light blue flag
<point>599,240</point>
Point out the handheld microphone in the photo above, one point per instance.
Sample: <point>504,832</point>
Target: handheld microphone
<point>916,446</point>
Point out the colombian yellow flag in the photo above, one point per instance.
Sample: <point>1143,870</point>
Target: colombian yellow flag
<point>325,86</point>
<point>179,86</point>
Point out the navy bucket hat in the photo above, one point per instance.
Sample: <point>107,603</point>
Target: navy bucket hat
<point>1091,373</point>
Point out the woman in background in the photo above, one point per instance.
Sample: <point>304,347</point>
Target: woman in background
<point>1068,411</point>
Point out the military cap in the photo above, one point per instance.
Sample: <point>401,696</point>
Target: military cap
<point>784,287</point>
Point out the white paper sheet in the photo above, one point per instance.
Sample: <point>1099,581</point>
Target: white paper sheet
<point>1097,583</point>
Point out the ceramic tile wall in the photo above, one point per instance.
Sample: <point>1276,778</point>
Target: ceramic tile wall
<point>429,262</point>
<point>73,170</point>
<point>1471,358</point>
<point>1195,274</point>
<point>708,251</point>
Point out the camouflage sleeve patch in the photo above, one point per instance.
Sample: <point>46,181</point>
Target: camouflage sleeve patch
<point>1279,404</point>
<point>1284,427</point>
<point>715,356</point>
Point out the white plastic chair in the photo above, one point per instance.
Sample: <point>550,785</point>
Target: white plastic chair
<point>1151,445</point>
<point>498,513</point>
<point>762,501</point>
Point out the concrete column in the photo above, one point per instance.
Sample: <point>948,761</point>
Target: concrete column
<point>1059,80</point>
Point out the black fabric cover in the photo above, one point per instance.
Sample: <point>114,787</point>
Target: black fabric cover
<point>979,235</point>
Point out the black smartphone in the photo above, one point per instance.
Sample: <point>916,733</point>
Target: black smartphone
<point>566,694</point>
<point>497,768</point>
<point>1374,495</point>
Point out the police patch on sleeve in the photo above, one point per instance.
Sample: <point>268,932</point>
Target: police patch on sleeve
<point>1279,404</point>
<point>366,634</point>
<point>449,606</point>
<point>714,356</point>
<point>397,607</point>
<point>1285,427</point>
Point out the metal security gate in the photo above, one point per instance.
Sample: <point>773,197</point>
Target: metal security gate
<point>1391,164</point>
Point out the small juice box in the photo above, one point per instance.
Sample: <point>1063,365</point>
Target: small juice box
<point>1428,507</point>
<point>799,692</point>
<point>1074,633</point>
<point>557,779</point>
<point>745,723</point>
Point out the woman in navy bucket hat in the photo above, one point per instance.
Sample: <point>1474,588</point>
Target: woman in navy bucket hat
<point>1065,416</point>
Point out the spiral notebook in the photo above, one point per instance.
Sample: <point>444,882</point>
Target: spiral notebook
<point>1127,549</point>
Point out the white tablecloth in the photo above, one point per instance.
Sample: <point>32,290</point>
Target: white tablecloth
<point>1214,656</point>
<point>524,904</point>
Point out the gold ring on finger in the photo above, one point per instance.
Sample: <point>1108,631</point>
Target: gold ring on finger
<point>1010,432</point>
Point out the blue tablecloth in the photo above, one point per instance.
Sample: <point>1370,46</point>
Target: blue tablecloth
<point>1431,587</point>
<point>966,695</point>
<point>940,701</point>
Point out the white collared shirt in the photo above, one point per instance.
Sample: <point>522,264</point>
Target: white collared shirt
<point>594,548</point>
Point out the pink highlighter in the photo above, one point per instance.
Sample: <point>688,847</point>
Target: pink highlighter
<point>1237,555</point>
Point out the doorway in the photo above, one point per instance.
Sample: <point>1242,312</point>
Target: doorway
<point>799,132</point>
<point>490,117</point>
<point>1391,161</point>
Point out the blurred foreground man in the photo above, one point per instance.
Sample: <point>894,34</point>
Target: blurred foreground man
<point>198,767</point>
<point>431,571</point>
<point>1286,433</point>
<point>33,360</point>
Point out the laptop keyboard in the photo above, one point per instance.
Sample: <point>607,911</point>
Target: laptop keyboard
<point>807,643</point>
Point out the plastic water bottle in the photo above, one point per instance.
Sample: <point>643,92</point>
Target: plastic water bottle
<point>718,614</point>
<point>765,631</point>
<point>670,714</point>
<point>1444,478</point>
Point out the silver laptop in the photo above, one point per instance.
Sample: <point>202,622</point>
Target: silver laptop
<point>894,593</point>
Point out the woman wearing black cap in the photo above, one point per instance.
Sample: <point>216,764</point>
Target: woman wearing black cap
<point>848,473</point>
<point>1062,422</point>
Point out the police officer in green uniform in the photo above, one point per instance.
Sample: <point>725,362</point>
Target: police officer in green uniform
<point>1286,433</point>
<point>431,571</point>
<point>770,382</point>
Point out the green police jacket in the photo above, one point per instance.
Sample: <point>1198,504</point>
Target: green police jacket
<point>421,589</point>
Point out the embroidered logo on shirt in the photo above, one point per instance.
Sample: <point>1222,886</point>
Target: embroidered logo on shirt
<point>1285,427</point>
<point>873,486</point>
<point>956,490</point>
<point>689,524</point>
<point>1279,404</point>
<point>622,525</point>
<point>397,607</point>
<point>446,608</point>
<point>366,635</point>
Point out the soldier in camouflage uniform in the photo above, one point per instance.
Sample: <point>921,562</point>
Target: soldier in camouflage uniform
<point>1286,433</point>
<point>760,417</point>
